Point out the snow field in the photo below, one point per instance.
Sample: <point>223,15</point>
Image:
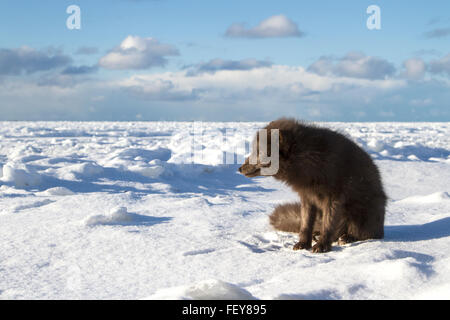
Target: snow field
<point>109,210</point>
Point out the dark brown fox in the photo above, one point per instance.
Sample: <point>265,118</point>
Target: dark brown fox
<point>342,196</point>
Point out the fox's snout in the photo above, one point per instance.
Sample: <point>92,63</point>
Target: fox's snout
<point>247,168</point>
<point>251,170</point>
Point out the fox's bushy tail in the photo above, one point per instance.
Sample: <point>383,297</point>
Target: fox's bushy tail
<point>286,217</point>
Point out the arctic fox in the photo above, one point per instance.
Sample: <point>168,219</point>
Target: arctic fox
<point>341,192</point>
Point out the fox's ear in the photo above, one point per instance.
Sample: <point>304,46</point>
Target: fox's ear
<point>280,137</point>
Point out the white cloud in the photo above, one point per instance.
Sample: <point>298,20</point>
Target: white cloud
<point>353,65</point>
<point>421,102</point>
<point>25,99</point>
<point>28,60</point>
<point>218,64</point>
<point>87,50</point>
<point>414,69</point>
<point>441,65</point>
<point>256,94</point>
<point>438,33</point>
<point>277,81</point>
<point>272,27</point>
<point>160,90</point>
<point>138,53</point>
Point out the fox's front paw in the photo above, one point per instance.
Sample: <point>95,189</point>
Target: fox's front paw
<point>345,238</point>
<point>302,245</point>
<point>321,247</point>
<point>316,236</point>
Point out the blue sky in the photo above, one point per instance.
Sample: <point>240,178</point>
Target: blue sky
<point>225,60</point>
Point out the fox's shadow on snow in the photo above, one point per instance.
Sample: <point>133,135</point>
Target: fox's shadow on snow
<point>419,232</point>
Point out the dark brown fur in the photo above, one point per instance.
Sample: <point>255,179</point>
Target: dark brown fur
<point>340,188</point>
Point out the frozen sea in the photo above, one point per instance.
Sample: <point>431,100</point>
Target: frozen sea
<point>121,210</point>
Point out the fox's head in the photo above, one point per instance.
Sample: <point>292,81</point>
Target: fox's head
<point>270,146</point>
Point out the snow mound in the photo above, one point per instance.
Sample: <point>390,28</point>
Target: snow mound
<point>115,216</point>
<point>154,169</point>
<point>23,151</point>
<point>20,175</point>
<point>147,162</point>
<point>87,169</point>
<point>56,191</point>
<point>376,145</point>
<point>80,171</point>
<point>413,157</point>
<point>144,154</point>
<point>33,205</point>
<point>152,172</point>
<point>205,290</point>
<point>440,292</point>
<point>431,198</point>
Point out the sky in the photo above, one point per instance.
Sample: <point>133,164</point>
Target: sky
<point>224,60</point>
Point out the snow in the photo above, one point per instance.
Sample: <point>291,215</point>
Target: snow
<point>211,289</point>
<point>116,216</point>
<point>122,210</point>
<point>436,197</point>
<point>19,175</point>
<point>56,191</point>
